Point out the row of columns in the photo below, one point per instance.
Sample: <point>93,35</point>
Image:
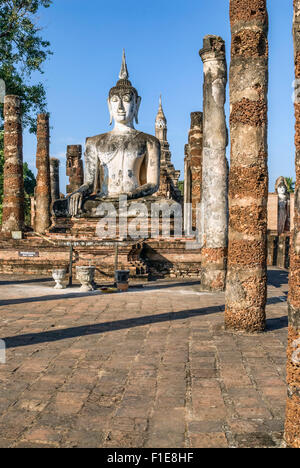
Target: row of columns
<point>233,218</point>
<point>206,169</point>
<point>47,181</point>
<point>242,269</point>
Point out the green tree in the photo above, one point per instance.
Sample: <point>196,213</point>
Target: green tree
<point>22,52</point>
<point>181,186</point>
<point>291,184</point>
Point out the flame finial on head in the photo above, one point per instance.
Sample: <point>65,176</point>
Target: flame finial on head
<point>124,75</point>
<point>123,86</point>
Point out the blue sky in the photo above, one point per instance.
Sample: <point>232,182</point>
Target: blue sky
<point>162,39</point>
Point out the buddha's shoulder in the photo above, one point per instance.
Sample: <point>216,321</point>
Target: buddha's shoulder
<point>148,138</point>
<point>104,138</point>
<point>97,139</point>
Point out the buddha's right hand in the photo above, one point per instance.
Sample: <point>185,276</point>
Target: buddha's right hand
<point>75,203</point>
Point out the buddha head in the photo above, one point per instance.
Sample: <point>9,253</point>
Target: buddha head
<point>281,188</point>
<point>124,101</point>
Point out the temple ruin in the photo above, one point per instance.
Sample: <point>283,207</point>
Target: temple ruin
<point>223,231</point>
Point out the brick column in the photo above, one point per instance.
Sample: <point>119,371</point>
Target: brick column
<point>248,181</point>
<point>193,164</point>
<point>43,184</point>
<point>74,168</point>
<point>187,190</point>
<point>214,229</point>
<point>13,189</point>
<point>292,423</point>
<point>54,177</point>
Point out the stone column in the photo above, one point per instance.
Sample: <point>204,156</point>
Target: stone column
<point>32,212</point>
<point>248,181</point>
<point>292,423</point>
<point>13,187</point>
<point>43,184</point>
<point>214,208</point>
<point>54,177</point>
<point>193,166</point>
<point>187,191</point>
<point>74,168</point>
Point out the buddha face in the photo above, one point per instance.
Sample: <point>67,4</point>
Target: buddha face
<point>282,190</point>
<point>123,108</point>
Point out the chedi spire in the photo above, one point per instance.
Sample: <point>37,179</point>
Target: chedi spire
<point>160,114</point>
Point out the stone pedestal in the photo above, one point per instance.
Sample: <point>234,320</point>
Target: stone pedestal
<point>13,187</point>
<point>43,182</point>
<point>246,289</point>
<point>149,217</point>
<point>214,207</point>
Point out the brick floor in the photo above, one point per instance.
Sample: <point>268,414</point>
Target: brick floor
<point>149,368</point>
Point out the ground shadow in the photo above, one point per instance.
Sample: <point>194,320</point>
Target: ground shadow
<point>277,323</point>
<point>171,284</point>
<point>29,281</point>
<point>56,297</point>
<point>278,278</point>
<point>85,330</point>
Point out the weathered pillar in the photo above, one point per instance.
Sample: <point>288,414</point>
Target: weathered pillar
<point>193,168</point>
<point>214,228</point>
<point>43,184</point>
<point>13,187</point>
<point>248,181</point>
<point>74,168</point>
<point>292,423</point>
<point>54,177</point>
<point>187,195</point>
<point>32,212</point>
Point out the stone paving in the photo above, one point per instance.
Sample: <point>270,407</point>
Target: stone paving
<point>149,368</point>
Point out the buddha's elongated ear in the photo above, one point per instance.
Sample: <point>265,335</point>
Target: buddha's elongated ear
<point>138,103</point>
<point>110,111</point>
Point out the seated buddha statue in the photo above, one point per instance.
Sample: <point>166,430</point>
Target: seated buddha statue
<point>123,161</point>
